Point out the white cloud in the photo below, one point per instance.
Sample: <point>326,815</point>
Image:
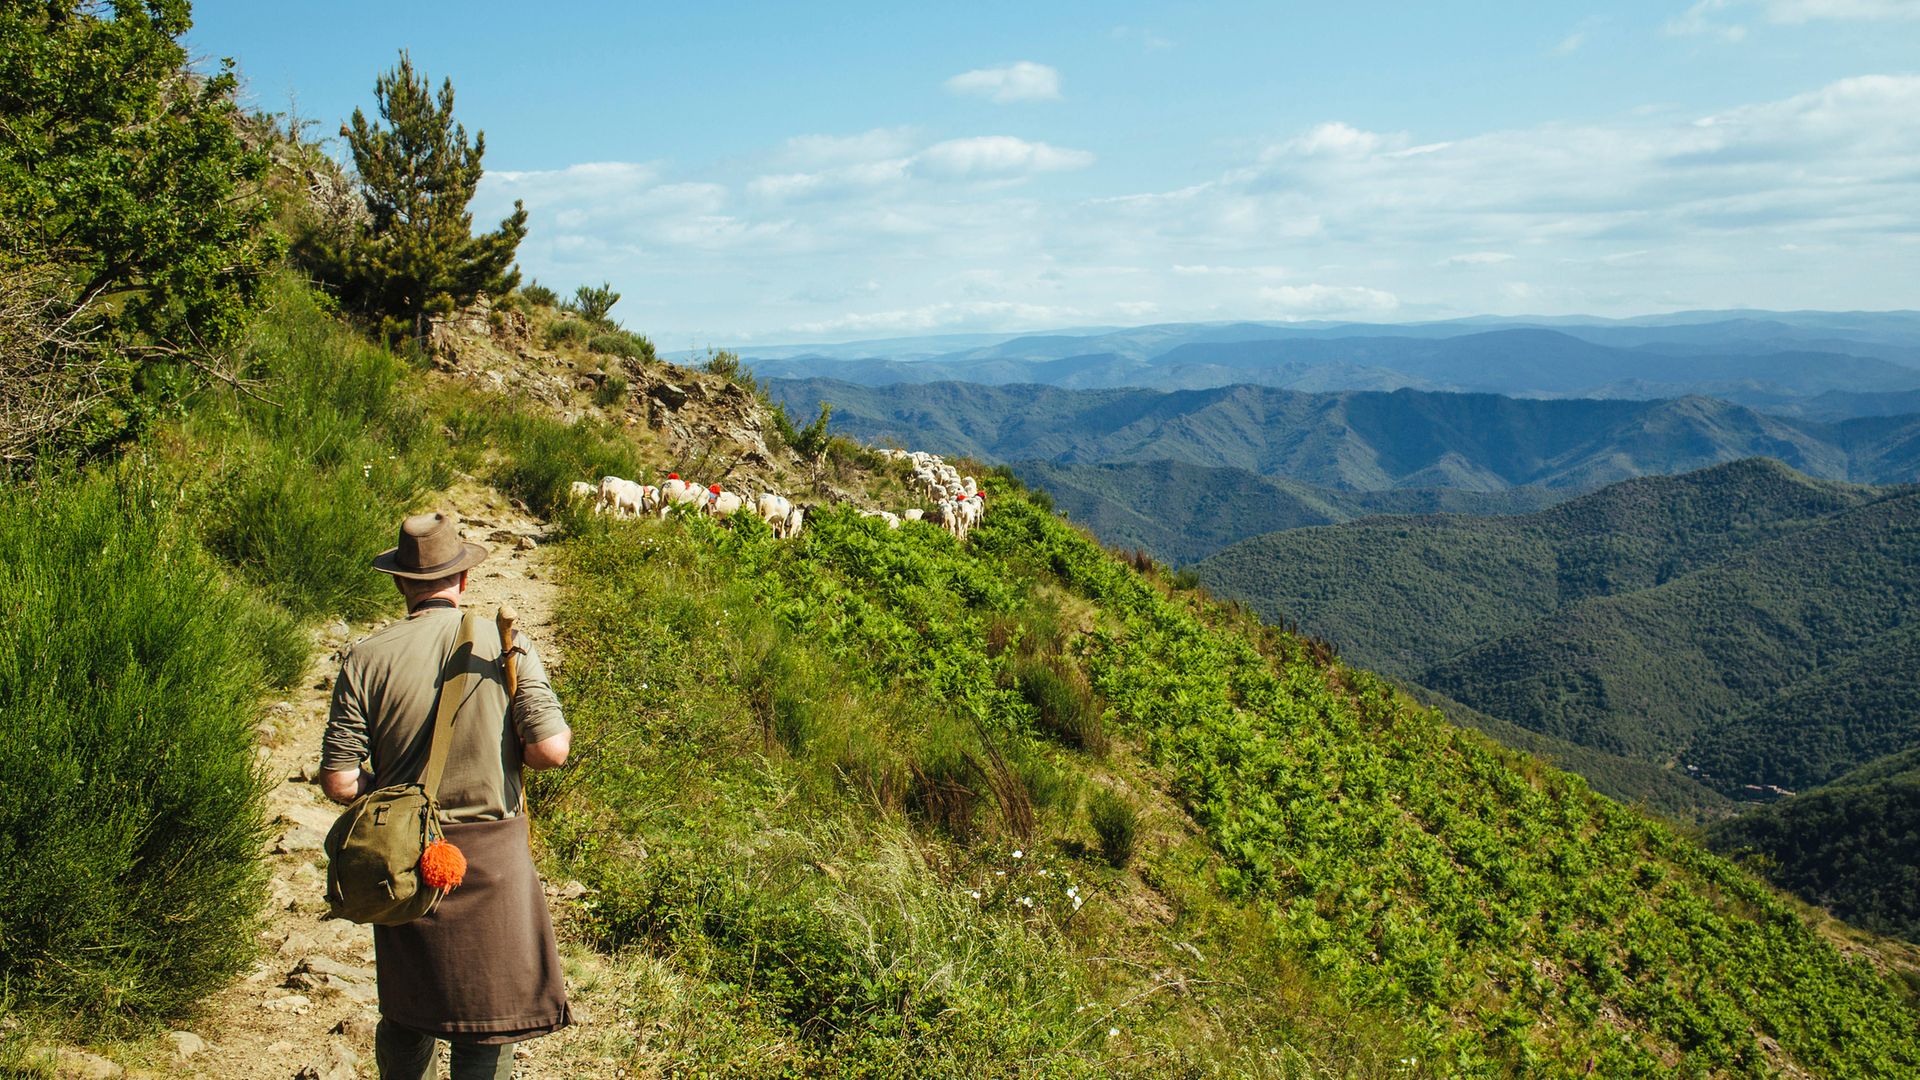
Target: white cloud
<point>1700,18</point>
<point>1147,39</point>
<point>947,315</point>
<point>1570,44</point>
<point>1335,139</point>
<point>1308,301</point>
<point>1810,200</point>
<point>1205,270</point>
<point>996,155</point>
<point>1799,11</point>
<point>1023,81</point>
<point>818,151</point>
<point>1477,258</point>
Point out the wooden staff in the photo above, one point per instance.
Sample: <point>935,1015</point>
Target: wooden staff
<point>509,650</point>
<point>509,667</point>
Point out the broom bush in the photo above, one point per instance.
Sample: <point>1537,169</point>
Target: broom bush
<point>130,806</point>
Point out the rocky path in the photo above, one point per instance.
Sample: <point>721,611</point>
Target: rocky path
<point>307,1010</point>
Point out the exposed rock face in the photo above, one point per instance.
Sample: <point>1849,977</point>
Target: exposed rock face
<point>710,425</point>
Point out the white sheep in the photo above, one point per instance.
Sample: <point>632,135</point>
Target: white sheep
<point>721,503</point>
<point>626,498</point>
<point>677,492</point>
<point>796,520</point>
<point>773,509</point>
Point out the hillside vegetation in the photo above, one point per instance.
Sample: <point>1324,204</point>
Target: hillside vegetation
<point>867,802</point>
<point>1852,846</point>
<point>1393,864</point>
<point>1745,619</point>
<point>1182,513</point>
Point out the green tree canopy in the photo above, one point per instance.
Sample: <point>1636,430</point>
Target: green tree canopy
<point>416,251</point>
<point>132,244</point>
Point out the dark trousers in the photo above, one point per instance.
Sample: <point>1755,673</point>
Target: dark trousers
<point>406,1054</point>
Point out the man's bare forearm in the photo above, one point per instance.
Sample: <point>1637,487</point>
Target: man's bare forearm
<point>344,785</point>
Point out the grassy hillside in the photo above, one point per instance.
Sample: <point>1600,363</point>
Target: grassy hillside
<point>1852,847</point>
<point>816,754</point>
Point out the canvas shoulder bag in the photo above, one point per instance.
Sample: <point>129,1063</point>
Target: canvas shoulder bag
<point>374,850</point>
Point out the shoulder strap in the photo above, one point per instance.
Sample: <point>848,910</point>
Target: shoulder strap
<point>454,682</point>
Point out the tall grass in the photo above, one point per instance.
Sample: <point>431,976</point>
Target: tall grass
<point>130,809</point>
<point>314,473</point>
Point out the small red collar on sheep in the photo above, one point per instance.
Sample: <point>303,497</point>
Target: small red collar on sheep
<point>715,488</point>
<point>673,476</point>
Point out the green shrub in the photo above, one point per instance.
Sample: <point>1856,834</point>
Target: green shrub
<point>622,343</point>
<point>593,302</point>
<point>1116,823</point>
<point>539,295</point>
<point>726,365</point>
<point>539,456</point>
<point>566,332</point>
<point>611,392</point>
<point>1065,701</point>
<point>130,807</point>
<point>810,441</point>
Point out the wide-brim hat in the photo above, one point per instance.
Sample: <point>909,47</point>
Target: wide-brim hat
<point>430,548</point>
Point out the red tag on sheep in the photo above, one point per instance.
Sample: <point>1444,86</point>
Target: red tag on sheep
<point>673,476</point>
<point>442,866</point>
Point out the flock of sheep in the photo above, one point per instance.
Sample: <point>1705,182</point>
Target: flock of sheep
<point>957,503</point>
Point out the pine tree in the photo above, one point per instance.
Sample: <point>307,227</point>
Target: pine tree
<point>416,252</point>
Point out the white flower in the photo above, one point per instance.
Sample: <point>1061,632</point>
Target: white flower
<point>1112,1032</point>
<point>1043,871</point>
<point>975,893</point>
<point>1026,901</point>
<point>1018,853</point>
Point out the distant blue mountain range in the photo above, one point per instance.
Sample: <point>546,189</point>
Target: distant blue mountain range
<point>1813,365</point>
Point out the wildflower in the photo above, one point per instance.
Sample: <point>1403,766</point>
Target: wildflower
<point>1111,1032</point>
<point>1017,853</point>
<point>975,893</point>
<point>1026,901</point>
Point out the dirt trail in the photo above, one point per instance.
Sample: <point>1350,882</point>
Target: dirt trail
<point>307,1010</point>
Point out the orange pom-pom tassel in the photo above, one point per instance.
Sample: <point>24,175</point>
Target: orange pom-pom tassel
<point>442,866</point>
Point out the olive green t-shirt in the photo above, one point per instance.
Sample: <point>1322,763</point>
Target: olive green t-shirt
<point>383,705</point>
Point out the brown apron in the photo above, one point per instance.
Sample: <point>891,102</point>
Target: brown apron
<point>482,967</point>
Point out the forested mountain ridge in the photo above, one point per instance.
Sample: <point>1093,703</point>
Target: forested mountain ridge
<point>1853,846</point>
<point>1743,619</point>
<point>1182,512</point>
<point>1362,441</point>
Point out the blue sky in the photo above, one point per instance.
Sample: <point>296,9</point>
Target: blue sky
<point>750,173</point>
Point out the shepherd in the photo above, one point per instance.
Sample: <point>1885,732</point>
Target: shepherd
<point>482,969</point>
